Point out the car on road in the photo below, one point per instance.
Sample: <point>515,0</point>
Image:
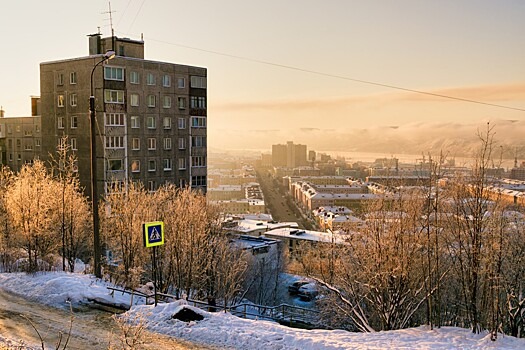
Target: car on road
<point>308,292</point>
<point>293,288</point>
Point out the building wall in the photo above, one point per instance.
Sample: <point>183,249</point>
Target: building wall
<point>152,140</point>
<point>20,141</point>
<point>279,155</point>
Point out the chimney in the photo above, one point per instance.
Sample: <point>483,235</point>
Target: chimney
<point>1,112</point>
<point>94,44</point>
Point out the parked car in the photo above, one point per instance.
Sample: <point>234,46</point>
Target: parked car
<point>308,292</point>
<point>293,288</point>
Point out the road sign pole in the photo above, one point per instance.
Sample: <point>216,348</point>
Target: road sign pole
<point>154,252</point>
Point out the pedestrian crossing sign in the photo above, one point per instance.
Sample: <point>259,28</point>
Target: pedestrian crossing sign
<point>153,233</point>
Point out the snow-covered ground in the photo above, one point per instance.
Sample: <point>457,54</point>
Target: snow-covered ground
<point>225,330</point>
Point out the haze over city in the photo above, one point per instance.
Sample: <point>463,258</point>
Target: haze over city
<point>282,71</point>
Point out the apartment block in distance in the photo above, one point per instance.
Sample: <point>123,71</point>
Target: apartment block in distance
<point>151,116</point>
<point>20,138</point>
<point>290,155</point>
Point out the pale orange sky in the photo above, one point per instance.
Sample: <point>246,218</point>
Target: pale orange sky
<point>470,49</point>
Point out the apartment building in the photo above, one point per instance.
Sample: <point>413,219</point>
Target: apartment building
<point>290,155</point>
<point>151,116</point>
<point>20,138</point>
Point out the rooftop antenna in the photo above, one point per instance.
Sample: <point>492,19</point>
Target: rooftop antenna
<point>110,12</point>
<point>111,25</point>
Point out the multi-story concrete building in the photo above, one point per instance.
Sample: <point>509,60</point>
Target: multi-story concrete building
<point>150,116</point>
<point>290,155</point>
<point>20,138</point>
<point>279,155</point>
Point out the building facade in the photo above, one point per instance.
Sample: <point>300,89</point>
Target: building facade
<point>290,155</point>
<point>151,117</point>
<point>20,138</point>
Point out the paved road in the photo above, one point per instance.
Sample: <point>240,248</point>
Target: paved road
<point>277,202</point>
<point>91,329</point>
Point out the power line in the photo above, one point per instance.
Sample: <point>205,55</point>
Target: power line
<point>362,81</point>
<point>140,8</point>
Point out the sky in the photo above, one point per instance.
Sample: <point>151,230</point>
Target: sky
<point>229,332</point>
<point>289,70</point>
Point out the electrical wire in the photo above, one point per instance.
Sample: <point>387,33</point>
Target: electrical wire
<point>140,8</point>
<point>362,81</point>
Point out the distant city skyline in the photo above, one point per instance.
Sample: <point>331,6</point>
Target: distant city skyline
<point>468,49</point>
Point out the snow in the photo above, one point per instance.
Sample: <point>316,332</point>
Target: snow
<point>225,330</point>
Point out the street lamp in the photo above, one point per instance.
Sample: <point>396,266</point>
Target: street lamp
<point>94,192</point>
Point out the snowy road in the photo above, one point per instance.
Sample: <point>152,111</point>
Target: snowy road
<point>91,329</point>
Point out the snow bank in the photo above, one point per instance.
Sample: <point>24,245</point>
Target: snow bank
<point>225,330</point>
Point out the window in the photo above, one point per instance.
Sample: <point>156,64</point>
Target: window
<point>113,73</point>
<point>167,123</point>
<point>181,102</point>
<point>167,143</point>
<point>198,82</point>
<point>74,144</point>
<point>135,122</point>
<point>198,161</point>
<point>73,77</point>
<point>135,144</point>
<point>74,122</point>
<point>60,101</point>
<point>198,102</point>
<point>134,100</point>
<point>150,79</point>
<point>115,119</point>
<point>166,80</point>
<point>151,100</point>
<point>113,96</point>
<point>198,181</point>
<point>60,122</point>
<point>181,83</point>
<point>61,144</point>
<point>135,166</point>
<point>121,50</point>
<point>150,122</point>
<point>182,163</point>
<point>28,132</point>
<point>151,185</point>
<point>166,102</point>
<point>198,122</point>
<point>182,143</point>
<point>29,147</point>
<point>114,142</point>
<point>182,123</point>
<point>37,128</point>
<point>115,165</point>
<point>134,78</point>
<point>18,143</point>
<point>38,142</point>
<point>73,100</point>
<point>167,164</point>
<point>152,165</point>
<point>60,79</point>
<point>198,141</point>
<point>152,143</point>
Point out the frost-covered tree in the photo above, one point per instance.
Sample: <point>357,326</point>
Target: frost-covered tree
<point>6,244</point>
<point>31,203</point>
<point>376,278</point>
<point>126,208</point>
<point>73,219</point>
